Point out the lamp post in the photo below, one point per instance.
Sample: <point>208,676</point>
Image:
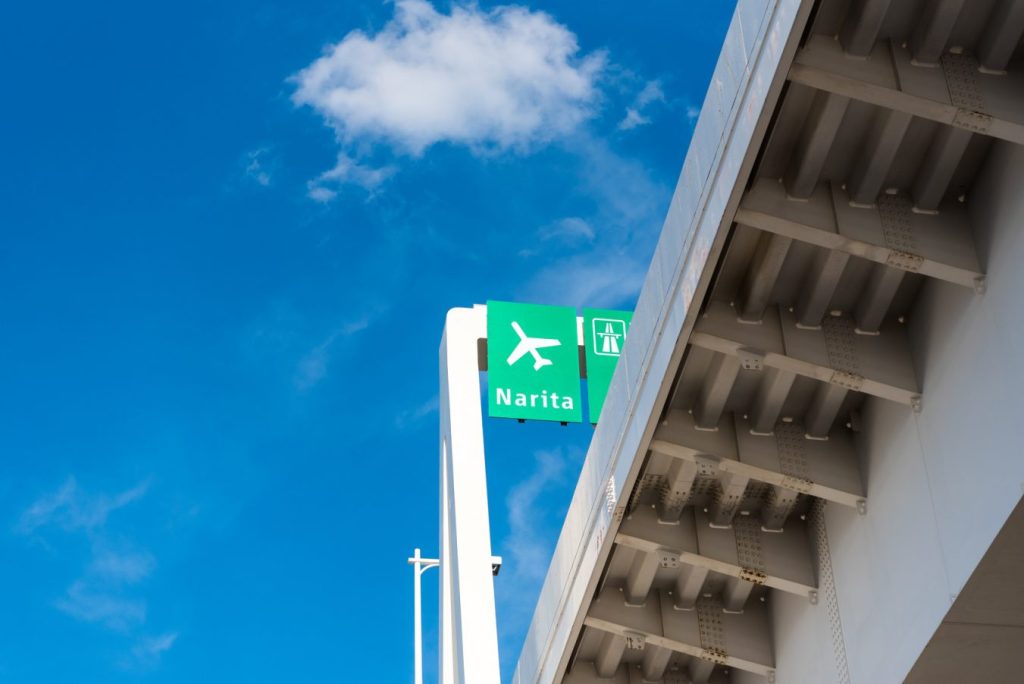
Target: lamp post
<point>420,565</point>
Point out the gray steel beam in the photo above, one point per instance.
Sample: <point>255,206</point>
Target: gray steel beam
<point>872,167</point>
<point>937,169</point>
<point>655,662</point>
<point>1002,34</point>
<point>777,507</point>
<point>735,594</point>
<point>820,129</point>
<point>642,531</point>
<point>771,395</point>
<point>780,559</point>
<point>877,298</point>
<point>689,584</point>
<point>609,654</point>
<point>585,672</point>
<point>636,676</point>
<point>772,249</point>
<point>728,496</point>
<point>935,245</point>
<point>741,641</point>
<point>824,407</point>
<point>863,22</point>
<point>819,286</point>
<point>929,41</point>
<point>700,670</point>
<point>777,559</point>
<point>676,492</point>
<point>715,390</point>
<point>826,469</point>
<point>889,79</point>
<point>641,576</point>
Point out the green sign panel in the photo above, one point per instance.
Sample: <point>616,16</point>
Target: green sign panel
<point>604,333</point>
<point>533,367</point>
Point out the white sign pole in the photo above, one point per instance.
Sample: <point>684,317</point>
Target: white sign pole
<point>419,565</point>
<point>469,633</point>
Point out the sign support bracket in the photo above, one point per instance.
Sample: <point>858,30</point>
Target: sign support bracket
<point>468,634</point>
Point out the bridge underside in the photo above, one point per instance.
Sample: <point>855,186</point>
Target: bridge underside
<point>839,444</point>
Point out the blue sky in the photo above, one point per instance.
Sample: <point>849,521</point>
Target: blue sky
<point>230,232</point>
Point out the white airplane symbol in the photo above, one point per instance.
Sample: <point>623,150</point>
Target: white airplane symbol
<point>531,345</point>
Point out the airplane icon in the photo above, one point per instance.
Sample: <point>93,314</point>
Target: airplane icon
<point>531,345</point>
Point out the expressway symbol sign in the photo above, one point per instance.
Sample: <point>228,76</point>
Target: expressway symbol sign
<point>604,332</point>
<point>608,336</point>
<point>533,369</point>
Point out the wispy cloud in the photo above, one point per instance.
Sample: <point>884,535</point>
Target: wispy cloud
<point>92,604</point>
<point>325,187</point>
<point>121,566</point>
<point>636,112</point>
<point>603,278</point>
<point>147,651</point>
<point>255,167</point>
<point>607,270</point>
<point>319,193</point>
<point>412,416</point>
<point>490,80</point>
<point>534,517</point>
<point>312,367</point>
<point>569,229</point>
<point>299,348</point>
<point>103,594</point>
<point>633,119</point>
<point>70,509</point>
<point>529,550</point>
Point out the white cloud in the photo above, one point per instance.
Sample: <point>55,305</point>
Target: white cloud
<point>299,349</point>
<point>98,596</point>
<point>635,116</point>
<point>528,550</point>
<point>324,188</point>
<point>692,113</point>
<point>319,193</point>
<point>598,278</point>
<point>633,119</point>
<point>72,509</point>
<point>312,367</point>
<point>255,169</point>
<point>411,416</point>
<point>535,515</point>
<point>651,92</point>
<point>89,604</point>
<point>629,213</point>
<point>127,567</point>
<point>570,229</point>
<point>147,651</point>
<point>505,78</point>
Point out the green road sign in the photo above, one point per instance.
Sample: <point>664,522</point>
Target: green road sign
<point>604,333</point>
<point>533,363</point>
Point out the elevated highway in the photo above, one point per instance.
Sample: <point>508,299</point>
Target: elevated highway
<point>809,464</point>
